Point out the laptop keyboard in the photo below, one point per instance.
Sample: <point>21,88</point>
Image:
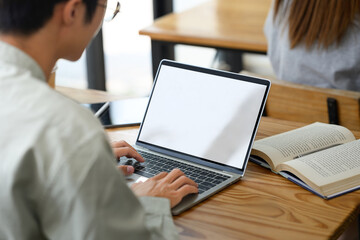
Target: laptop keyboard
<point>155,164</point>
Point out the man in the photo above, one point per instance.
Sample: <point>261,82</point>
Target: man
<point>58,176</point>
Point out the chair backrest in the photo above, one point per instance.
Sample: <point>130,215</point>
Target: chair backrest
<point>303,103</point>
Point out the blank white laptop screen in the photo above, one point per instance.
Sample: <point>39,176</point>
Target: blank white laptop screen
<point>203,115</point>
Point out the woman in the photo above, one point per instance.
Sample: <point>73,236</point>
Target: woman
<point>315,42</point>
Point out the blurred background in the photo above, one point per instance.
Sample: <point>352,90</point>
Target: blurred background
<point>128,55</point>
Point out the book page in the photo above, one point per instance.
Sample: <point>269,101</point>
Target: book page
<point>333,170</point>
<point>293,144</point>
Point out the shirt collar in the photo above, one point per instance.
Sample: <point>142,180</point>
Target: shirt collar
<point>14,56</point>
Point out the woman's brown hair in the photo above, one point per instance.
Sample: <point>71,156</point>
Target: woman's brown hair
<point>324,21</point>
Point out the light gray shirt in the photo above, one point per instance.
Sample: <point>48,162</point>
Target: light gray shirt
<point>58,175</point>
<point>335,67</point>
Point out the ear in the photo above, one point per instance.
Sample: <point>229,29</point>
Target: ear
<point>72,11</point>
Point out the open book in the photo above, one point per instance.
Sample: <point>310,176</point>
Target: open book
<point>322,158</point>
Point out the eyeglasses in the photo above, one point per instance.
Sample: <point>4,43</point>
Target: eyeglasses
<point>112,8</point>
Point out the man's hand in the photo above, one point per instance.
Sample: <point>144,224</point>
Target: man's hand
<point>174,186</point>
<point>122,148</point>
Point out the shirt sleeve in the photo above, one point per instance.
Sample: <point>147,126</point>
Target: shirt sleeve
<point>158,218</point>
<point>89,199</point>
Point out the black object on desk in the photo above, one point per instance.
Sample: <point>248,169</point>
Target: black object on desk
<point>121,113</point>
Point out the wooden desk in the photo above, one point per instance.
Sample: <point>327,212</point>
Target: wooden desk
<point>87,95</point>
<point>262,205</point>
<point>235,25</point>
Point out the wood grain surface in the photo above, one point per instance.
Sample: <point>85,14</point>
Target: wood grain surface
<point>87,95</point>
<point>236,24</point>
<point>264,205</point>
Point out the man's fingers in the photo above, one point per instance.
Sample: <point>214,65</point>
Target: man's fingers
<point>128,152</point>
<point>127,170</point>
<point>174,174</point>
<point>179,182</point>
<point>187,189</point>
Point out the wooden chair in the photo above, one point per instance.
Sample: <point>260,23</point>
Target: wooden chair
<point>303,103</point>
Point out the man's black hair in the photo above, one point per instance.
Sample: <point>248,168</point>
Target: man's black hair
<point>27,16</point>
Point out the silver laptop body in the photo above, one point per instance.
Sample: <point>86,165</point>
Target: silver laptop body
<point>201,119</point>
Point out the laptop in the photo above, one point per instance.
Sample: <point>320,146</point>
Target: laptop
<point>202,121</point>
